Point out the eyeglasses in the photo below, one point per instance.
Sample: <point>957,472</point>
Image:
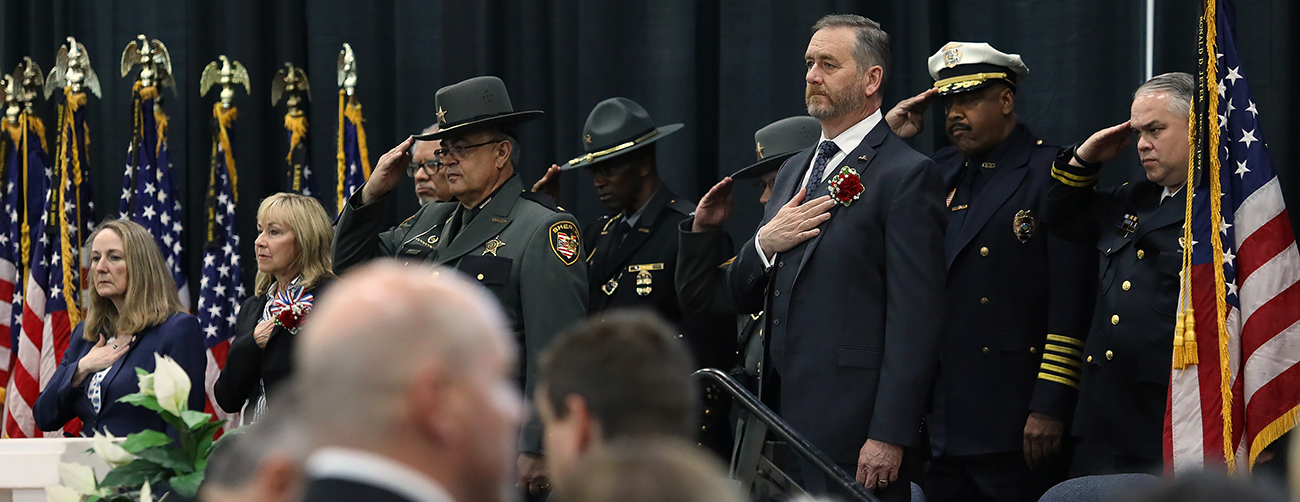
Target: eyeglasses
<point>459,151</point>
<point>429,168</point>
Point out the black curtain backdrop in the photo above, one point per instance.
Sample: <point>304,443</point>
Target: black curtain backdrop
<point>723,67</point>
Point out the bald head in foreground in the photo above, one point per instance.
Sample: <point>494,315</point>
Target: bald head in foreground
<point>412,395</point>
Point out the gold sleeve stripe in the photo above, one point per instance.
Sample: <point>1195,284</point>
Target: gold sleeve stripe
<point>1074,177</point>
<point>1078,184</point>
<point>1061,369</point>
<point>1063,360</point>
<point>1065,339</point>
<point>1057,379</point>
<point>1064,350</point>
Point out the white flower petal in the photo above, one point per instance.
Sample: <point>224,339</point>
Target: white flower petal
<point>60,493</point>
<point>79,478</point>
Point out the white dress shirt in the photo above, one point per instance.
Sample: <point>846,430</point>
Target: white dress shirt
<point>1170,193</point>
<point>847,142</point>
<point>373,469</point>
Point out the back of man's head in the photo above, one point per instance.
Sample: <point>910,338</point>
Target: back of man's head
<point>630,370</point>
<point>262,462</point>
<point>413,362</point>
<point>650,471</point>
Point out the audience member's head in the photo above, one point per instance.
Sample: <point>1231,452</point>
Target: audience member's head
<point>294,235</point>
<point>1208,487</point>
<point>415,364</point>
<point>259,463</point>
<point>430,178</point>
<point>625,376</point>
<point>132,285</point>
<point>649,471</point>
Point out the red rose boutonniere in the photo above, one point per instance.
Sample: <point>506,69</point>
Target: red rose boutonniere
<point>845,186</point>
<point>290,308</point>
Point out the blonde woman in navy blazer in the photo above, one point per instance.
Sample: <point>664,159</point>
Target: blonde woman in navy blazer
<point>134,313</point>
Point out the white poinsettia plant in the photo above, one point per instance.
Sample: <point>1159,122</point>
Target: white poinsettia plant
<point>147,459</point>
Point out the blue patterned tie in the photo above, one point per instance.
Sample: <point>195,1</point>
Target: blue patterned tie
<point>825,151</point>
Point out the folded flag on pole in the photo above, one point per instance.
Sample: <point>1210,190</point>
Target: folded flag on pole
<point>291,83</point>
<point>1235,383</point>
<point>353,157</point>
<point>221,289</point>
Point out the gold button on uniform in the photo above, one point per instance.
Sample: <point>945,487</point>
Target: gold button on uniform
<point>984,301</point>
<point>1089,358</point>
<point>480,277</point>
<point>1141,254</point>
<point>984,251</point>
<point>985,350</point>
<point>1126,285</point>
<point>1114,319</point>
<point>1110,355</point>
<point>1033,350</point>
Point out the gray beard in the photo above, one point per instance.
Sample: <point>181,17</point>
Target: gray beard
<point>839,105</point>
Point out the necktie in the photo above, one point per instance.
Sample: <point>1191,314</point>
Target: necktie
<point>825,151</point>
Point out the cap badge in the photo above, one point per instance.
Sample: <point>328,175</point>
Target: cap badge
<point>951,55</point>
<point>587,138</point>
<point>759,149</point>
<point>442,115</point>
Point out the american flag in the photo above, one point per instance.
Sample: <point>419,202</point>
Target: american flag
<point>220,288</point>
<point>1244,392</point>
<point>10,261</point>
<point>78,206</point>
<point>148,193</point>
<point>44,325</point>
<point>354,159</point>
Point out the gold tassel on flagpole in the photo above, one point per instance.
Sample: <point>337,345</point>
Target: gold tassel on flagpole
<point>1189,338</point>
<point>1180,359</point>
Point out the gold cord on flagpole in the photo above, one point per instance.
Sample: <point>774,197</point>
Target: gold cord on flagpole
<point>225,119</point>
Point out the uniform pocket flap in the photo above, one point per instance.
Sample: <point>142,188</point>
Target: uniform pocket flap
<point>490,270</point>
<point>859,357</point>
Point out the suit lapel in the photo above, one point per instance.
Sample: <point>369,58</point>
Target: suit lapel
<point>1172,211</point>
<point>489,223</point>
<point>639,235</point>
<point>859,159</point>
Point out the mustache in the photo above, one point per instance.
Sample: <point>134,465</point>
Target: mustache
<point>959,126</point>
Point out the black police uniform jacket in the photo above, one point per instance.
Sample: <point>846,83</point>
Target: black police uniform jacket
<point>1018,302</point>
<point>852,314</point>
<point>639,273</point>
<point>520,246</point>
<point>1129,348</point>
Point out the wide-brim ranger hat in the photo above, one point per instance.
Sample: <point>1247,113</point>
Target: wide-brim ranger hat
<point>778,141</point>
<point>615,127</point>
<point>475,103</point>
<point>966,66</point>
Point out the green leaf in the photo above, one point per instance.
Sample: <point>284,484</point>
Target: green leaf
<point>145,439</point>
<point>207,430</point>
<point>201,453</point>
<point>194,419</point>
<point>131,475</point>
<point>139,399</point>
<point>188,485</point>
<point>169,457</point>
<point>140,371</point>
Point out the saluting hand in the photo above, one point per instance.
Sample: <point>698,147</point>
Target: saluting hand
<point>549,185</point>
<point>1042,438</point>
<point>907,118</point>
<point>262,333</point>
<point>101,356</point>
<point>1104,145</point>
<point>388,171</point>
<point>794,223</point>
<point>715,208</point>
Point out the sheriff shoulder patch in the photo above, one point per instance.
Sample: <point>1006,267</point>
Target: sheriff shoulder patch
<point>564,241</point>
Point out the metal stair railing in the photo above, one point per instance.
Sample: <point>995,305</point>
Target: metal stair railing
<point>751,462</point>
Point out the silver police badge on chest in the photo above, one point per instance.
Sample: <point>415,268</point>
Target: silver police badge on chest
<point>1023,225</point>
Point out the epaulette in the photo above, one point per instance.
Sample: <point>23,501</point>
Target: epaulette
<point>543,200</point>
<point>681,205</point>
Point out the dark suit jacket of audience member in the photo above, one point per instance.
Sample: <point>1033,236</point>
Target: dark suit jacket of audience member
<point>179,337</point>
<point>341,490</point>
<point>247,363</point>
<point>854,314</point>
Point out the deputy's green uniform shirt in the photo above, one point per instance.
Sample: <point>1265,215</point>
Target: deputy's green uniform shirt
<point>518,245</point>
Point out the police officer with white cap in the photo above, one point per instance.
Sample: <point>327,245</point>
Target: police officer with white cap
<point>1018,298</point>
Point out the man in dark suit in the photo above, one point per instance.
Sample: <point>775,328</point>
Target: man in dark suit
<point>631,253</point>
<point>851,291</point>
<point>1138,229</point>
<point>412,392</point>
<point>1019,298</point>
<point>517,244</point>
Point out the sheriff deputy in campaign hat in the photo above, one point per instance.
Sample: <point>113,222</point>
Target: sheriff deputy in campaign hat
<point>517,244</point>
<point>1018,298</point>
